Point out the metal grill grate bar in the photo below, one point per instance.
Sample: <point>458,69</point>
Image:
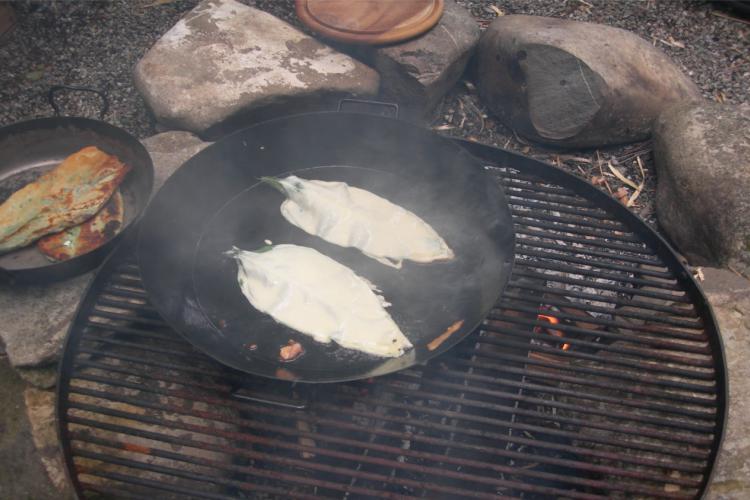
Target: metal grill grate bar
<point>523,248</point>
<point>156,452</point>
<point>255,439</point>
<point>522,233</point>
<point>599,298</point>
<point>634,376</point>
<point>570,354</point>
<point>632,352</point>
<point>425,424</point>
<point>697,335</point>
<point>321,438</point>
<point>604,383</point>
<point>630,312</point>
<point>641,404</point>
<point>580,213</point>
<point>612,231</point>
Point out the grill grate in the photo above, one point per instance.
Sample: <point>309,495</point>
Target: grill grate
<point>599,374</point>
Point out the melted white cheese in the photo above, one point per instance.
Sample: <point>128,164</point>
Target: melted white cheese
<point>315,295</point>
<point>352,217</point>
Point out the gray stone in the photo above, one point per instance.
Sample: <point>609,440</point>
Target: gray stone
<point>42,377</point>
<point>729,296</point>
<point>702,158</point>
<point>417,73</point>
<point>576,84</point>
<point>169,151</point>
<point>224,58</point>
<point>39,316</point>
<point>36,319</point>
<point>40,408</point>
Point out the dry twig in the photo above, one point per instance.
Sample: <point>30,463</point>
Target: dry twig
<point>497,10</point>
<point>156,3</point>
<point>671,42</point>
<point>601,172</point>
<point>638,187</point>
<point>726,16</point>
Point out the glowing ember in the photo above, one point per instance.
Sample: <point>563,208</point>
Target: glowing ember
<point>557,333</point>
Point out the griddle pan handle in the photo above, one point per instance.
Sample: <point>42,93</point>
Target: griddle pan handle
<point>377,108</point>
<point>247,394</point>
<point>56,88</point>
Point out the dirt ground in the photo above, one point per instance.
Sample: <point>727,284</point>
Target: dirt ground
<point>22,476</point>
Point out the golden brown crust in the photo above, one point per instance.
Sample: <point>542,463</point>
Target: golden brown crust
<point>88,236</point>
<point>66,196</point>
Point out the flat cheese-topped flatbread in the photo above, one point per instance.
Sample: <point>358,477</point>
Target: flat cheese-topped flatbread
<point>315,295</point>
<point>65,196</point>
<point>352,217</point>
<point>87,236</point>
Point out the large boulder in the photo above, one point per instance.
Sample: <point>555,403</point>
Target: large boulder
<point>224,58</point>
<point>729,296</point>
<point>37,319</point>
<point>702,158</point>
<point>417,73</point>
<point>576,84</point>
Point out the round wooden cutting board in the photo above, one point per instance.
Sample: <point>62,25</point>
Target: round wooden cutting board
<point>369,21</point>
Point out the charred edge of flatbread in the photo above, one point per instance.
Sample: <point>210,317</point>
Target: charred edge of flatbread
<point>87,236</point>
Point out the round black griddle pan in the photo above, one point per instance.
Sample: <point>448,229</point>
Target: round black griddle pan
<point>30,148</point>
<point>215,201</point>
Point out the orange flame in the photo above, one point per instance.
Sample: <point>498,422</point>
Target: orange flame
<point>557,333</point>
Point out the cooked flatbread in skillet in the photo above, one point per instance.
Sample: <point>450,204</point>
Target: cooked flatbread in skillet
<point>315,295</point>
<point>352,217</point>
<point>65,196</point>
<point>87,236</point>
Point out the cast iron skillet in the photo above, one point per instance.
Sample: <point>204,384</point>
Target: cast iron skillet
<point>215,201</point>
<point>30,148</point>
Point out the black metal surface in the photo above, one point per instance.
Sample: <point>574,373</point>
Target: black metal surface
<point>31,148</point>
<point>216,201</point>
<point>634,407</point>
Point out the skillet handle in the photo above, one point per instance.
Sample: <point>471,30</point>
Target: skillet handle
<point>268,398</point>
<point>56,88</point>
<point>377,108</point>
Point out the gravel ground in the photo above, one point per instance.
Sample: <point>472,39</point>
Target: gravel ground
<point>97,44</point>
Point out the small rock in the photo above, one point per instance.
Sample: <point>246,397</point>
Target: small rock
<point>224,58</point>
<point>40,316</point>
<point>40,408</point>
<point>729,296</point>
<point>43,377</point>
<point>417,73</point>
<point>576,84</point>
<point>169,151</point>
<point>702,158</point>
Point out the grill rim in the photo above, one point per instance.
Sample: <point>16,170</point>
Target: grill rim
<point>497,157</point>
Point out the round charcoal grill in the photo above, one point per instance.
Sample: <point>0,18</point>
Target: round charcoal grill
<point>600,373</point>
